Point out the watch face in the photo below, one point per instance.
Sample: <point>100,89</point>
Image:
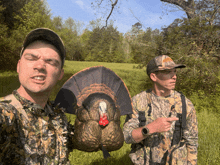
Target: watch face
<point>144,131</point>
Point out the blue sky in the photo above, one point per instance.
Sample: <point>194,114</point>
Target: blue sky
<point>151,13</point>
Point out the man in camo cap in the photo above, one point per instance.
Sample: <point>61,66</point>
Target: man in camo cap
<point>32,130</point>
<point>163,127</point>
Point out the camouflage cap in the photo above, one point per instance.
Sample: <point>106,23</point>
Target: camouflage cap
<point>162,62</point>
<point>46,35</point>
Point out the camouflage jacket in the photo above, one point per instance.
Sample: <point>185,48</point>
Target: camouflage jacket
<point>158,145</point>
<point>31,135</point>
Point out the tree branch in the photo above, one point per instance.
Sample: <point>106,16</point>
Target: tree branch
<point>100,3</point>
<point>213,15</point>
<point>113,5</point>
<point>187,6</point>
<point>180,3</point>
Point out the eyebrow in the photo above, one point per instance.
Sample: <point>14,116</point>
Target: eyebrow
<point>33,55</point>
<point>54,60</point>
<point>47,59</point>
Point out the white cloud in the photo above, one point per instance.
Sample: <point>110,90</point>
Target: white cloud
<point>80,3</point>
<point>85,5</point>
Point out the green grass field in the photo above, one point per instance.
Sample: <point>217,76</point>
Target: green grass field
<point>136,81</point>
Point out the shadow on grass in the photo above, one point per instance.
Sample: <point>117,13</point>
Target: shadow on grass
<point>114,161</point>
<point>8,84</point>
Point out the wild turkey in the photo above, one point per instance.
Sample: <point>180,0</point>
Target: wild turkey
<point>98,97</point>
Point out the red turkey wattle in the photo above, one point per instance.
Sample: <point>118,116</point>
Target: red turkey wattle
<point>103,114</point>
<point>103,120</point>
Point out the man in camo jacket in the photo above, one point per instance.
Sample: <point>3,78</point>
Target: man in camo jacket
<point>32,130</point>
<point>152,144</point>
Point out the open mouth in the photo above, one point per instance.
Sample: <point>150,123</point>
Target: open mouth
<point>40,78</point>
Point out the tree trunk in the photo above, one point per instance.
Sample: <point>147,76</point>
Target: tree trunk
<point>188,6</point>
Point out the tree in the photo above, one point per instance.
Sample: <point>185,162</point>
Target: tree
<point>6,46</point>
<point>105,44</point>
<point>136,29</point>
<point>11,8</point>
<point>32,15</point>
<point>57,22</point>
<point>195,43</point>
<point>94,24</point>
<point>144,46</point>
<point>208,10</point>
<point>75,26</point>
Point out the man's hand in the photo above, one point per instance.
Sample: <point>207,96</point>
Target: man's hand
<point>161,124</point>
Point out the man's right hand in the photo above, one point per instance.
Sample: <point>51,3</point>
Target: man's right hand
<point>157,126</point>
<point>161,124</point>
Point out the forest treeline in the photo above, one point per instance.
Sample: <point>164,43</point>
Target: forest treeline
<point>194,41</point>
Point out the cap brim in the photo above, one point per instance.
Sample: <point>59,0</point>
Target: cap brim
<point>171,67</point>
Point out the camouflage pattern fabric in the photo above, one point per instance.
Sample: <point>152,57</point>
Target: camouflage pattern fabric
<point>35,137</point>
<point>158,145</point>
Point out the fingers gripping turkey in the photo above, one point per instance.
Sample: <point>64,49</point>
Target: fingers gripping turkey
<point>98,97</point>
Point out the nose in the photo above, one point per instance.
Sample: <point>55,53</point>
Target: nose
<point>40,65</point>
<point>174,75</point>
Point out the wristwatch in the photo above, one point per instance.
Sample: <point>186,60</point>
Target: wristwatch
<point>145,131</point>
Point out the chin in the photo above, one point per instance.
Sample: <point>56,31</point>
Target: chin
<point>169,89</point>
<point>38,90</point>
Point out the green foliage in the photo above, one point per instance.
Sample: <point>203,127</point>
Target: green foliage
<point>209,146</point>
<point>11,8</point>
<point>74,50</point>
<point>31,15</point>
<point>75,26</point>
<point>57,23</point>
<point>8,60</point>
<point>104,45</point>
<point>6,52</point>
<point>203,101</point>
<point>195,44</point>
<point>206,105</point>
<point>191,42</point>
<point>144,45</point>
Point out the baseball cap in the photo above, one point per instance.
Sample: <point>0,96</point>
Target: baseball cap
<point>162,62</point>
<point>46,35</point>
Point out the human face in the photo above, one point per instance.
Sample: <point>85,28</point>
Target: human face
<point>165,79</point>
<point>39,68</point>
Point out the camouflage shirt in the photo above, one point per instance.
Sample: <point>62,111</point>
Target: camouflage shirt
<point>158,145</point>
<point>31,135</point>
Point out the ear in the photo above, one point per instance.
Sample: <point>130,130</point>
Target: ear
<point>18,66</point>
<point>153,77</point>
<point>61,74</point>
